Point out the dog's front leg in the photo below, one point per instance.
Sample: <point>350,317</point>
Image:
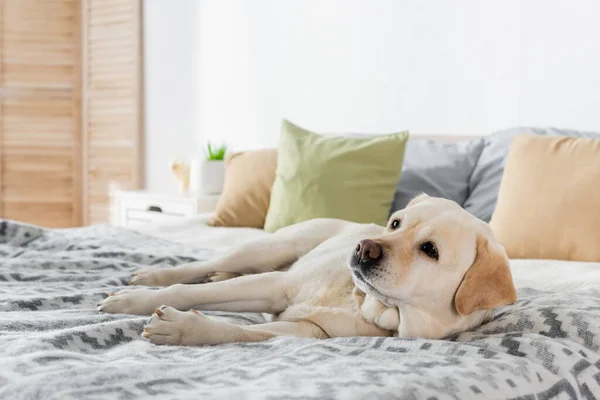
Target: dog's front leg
<point>192,328</point>
<point>266,292</point>
<point>262,255</point>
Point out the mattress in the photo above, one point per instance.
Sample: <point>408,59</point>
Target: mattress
<point>54,345</point>
<point>196,232</point>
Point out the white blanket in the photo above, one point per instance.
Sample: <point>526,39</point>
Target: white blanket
<point>54,345</point>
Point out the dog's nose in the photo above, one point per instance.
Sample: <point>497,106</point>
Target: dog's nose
<point>368,251</point>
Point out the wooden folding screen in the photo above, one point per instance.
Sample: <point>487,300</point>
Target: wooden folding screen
<point>70,107</point>
<point>40,120</point>
<point>112,101</point>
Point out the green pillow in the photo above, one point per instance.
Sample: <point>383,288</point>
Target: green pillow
<point>350,178</point>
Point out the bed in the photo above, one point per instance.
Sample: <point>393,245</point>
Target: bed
<point>55,345</point>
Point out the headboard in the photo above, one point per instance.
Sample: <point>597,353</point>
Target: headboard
<point>443,138</point>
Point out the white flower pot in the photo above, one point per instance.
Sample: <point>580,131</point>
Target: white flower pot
<point>207,177</point>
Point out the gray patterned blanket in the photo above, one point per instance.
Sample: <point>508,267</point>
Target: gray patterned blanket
<point>54,345</point>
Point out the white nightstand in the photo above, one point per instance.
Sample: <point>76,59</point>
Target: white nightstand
<point>132,209</point>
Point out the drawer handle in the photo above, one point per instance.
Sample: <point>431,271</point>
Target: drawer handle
<point>155,209</point>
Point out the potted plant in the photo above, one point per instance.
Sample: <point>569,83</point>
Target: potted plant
<point>208,174</point>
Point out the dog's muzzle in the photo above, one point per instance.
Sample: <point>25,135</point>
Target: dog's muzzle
<point>367,254</point>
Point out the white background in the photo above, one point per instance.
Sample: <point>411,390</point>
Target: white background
<point>231,69</point>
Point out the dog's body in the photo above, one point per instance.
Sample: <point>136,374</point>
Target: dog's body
<point>301,275</point>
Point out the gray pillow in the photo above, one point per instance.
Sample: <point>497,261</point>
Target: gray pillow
<point>438,169</point>
<point>487,175</point>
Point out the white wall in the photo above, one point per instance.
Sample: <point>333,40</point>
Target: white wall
<point>560,63</point>
<point>433,67</point>
<point>170,73</point>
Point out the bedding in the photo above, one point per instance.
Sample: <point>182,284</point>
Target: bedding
<point>437,168</point>
<point>485,180</point>
<point>347,177</point>
<point>54,344</point>
<point>548,199</point>
<point>246,194</point>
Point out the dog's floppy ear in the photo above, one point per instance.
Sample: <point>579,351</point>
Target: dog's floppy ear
<point>417,199</point>
<point>488,282</point>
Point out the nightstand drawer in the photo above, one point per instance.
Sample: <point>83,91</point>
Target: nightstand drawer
<point>133,209</point>
<point>149,216</point>
<point>158,206</point>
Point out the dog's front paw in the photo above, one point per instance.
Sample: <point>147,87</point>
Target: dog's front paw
<point>153,277</point>
<point>138,302</point>
<point>388,319</point>
<point>371,308</point>
<point>375,312</point>
<point>170,326</point>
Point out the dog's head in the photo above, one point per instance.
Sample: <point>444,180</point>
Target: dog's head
<point>436,258</point>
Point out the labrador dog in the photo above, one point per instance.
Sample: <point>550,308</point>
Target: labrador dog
<point>433,271</point>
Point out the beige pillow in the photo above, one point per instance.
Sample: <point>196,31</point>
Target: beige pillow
<point>246,193</point>
<point>549,200</point>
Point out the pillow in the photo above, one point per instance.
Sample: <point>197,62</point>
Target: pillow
<point>348,178</point>
<point>487,175</point>
<point>249,177</point>
<point>438,169</point>
<point>548,200</point>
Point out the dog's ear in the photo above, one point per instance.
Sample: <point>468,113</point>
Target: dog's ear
<point>488,282</point>
<point>417,199</point>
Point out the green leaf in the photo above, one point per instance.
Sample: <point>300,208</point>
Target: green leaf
<point>215,152</point>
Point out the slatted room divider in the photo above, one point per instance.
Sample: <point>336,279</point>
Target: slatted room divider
<point>70,108</point>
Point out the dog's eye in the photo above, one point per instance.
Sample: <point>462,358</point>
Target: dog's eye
<point>395,224</point>
<point>429,249</point>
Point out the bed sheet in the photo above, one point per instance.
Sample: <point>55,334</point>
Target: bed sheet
<point>54,345</point>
